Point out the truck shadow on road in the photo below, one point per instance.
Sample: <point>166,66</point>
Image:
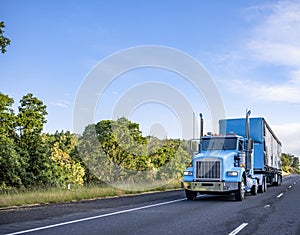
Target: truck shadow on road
<point>215,198</point>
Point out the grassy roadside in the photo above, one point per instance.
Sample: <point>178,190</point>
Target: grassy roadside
<point>290,170</point>
<point>54,195</point>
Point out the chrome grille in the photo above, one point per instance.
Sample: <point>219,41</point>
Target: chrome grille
<point>208,169</point>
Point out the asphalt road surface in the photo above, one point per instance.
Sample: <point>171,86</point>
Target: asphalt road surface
<point>275,212</point>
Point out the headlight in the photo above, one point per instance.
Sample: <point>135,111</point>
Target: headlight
<point>188,173</point>
<point>232,173</point>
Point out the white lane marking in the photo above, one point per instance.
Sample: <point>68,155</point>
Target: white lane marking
<point>280,195</point>
<point>238,229</point>
<point>96,217</point>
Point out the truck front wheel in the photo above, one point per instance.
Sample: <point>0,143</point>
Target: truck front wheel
<point>240,193</point>
<point>190,195</point>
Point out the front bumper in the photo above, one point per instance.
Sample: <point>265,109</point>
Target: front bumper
<point>210,186</point>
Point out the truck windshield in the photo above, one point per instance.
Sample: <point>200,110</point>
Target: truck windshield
<point>219,143</point>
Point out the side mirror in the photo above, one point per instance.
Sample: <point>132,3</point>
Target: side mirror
<point>195,146</point>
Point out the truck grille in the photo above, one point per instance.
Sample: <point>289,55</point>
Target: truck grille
<point>208,169</point>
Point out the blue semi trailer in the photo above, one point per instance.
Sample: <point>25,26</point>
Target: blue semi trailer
<point>244,157</point>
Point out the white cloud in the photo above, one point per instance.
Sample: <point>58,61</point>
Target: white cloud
<point>273,40</point>
<point>290,133</point>
<point>263,69</point>
<point>276,38</point>
<point>61,103</point>
<point>287,92</point>
<point>277,53</point>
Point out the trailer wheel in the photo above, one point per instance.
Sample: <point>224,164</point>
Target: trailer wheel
<point>265,186</point>
<point>190,195</point>
<point>278,180</point>
<point>240,193</point>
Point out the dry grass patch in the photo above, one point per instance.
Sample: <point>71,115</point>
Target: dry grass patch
<point>55,195</point>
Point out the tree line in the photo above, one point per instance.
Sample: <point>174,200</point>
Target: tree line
<point>290,163</point>
<point>108,151</point>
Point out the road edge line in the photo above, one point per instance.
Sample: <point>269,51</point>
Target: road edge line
<point>95,217</point>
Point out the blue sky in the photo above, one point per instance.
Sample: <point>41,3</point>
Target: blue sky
<point>251,49</point>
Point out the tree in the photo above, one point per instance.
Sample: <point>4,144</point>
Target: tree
<point>64,168</point>
<point>290,163</point>
<point>286,159</point>
<point>123,145</point>
<point>31,117</point>
<point>113,151</point>
<point>31,146</point>
<point>4,41</point>
<point>89,151</point>
<point>13,167</point>
<point>170,157</point>
<point>295,162</point>
<point>11,164</point>
<point>7,116</point>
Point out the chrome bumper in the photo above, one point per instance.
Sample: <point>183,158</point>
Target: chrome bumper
<point>210,186</point>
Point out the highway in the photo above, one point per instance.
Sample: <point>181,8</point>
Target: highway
<point>275,212</point>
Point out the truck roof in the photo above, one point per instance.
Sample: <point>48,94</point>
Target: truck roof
<point>238,125</point>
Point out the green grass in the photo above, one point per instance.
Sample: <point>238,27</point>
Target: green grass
<point>54,195</point>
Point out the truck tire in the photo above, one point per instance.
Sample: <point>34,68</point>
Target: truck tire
<point>254,190</point>
<point>263,187</point>
<point>279,180</point>
<point>190,195</point>
<point>265,184</point>
<point>260,188</point>
<point>240,193</point>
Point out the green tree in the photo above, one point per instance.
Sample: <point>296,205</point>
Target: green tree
<point>116,151</point>
<point>89,150</point>
<point>171,158</point>
<point>32,147</point>
<point>11,164</point>
<point>13,167</point>
<point>4,41</point>
<point>64,168</point>
<point>31,117</point>
<point>290,163</point>
<point>123,145</point>
<point>7,116</point>
<point>295,162</point>
<point>286,159</point>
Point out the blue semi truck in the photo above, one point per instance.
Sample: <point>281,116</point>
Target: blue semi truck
<point>244,157</point>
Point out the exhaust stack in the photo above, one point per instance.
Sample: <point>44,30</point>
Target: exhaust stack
<point>248,124</point>
<point>249,143</point>
<point>201,126</point>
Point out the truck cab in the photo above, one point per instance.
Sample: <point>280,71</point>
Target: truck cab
<point>218,167</point>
